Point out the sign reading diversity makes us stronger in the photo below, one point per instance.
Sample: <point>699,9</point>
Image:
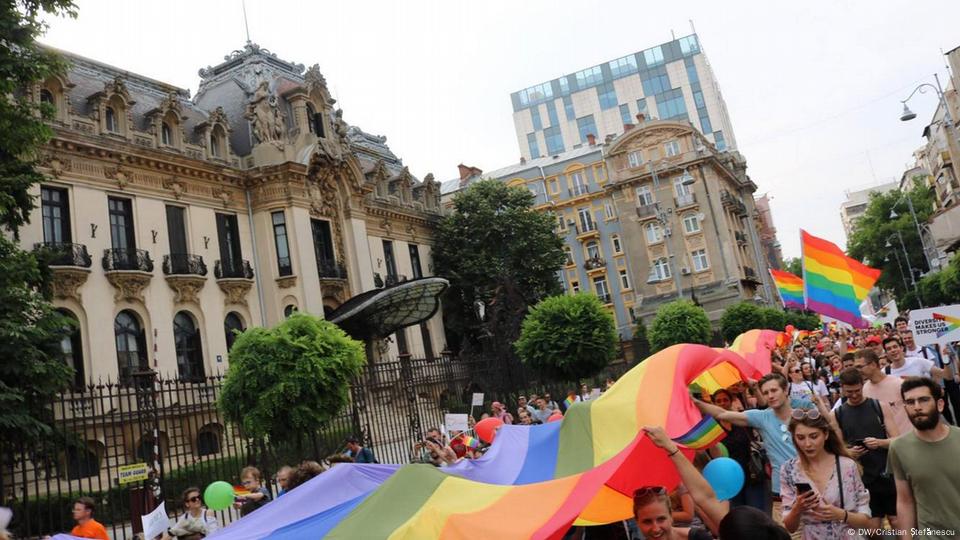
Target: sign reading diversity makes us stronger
<point>937,325</point>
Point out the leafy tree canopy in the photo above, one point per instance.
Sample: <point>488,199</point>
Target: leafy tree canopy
<point>495,239</point>
<point>290,379</point>
<point>32,370</point>
<point>680,321</point>
<point>568,337</point>
<point>875,229</point>
<point>794,266</point>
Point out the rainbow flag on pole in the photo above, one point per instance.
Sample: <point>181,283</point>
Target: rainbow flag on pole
<point>790,287</point>
<point>704,434</point>
<point>834,284</point>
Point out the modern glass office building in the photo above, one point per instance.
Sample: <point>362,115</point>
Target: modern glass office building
<point>670,81</point>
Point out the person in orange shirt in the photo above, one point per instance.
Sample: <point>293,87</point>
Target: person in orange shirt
<point>87,527</point>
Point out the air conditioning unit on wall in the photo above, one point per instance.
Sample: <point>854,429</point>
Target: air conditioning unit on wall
<point>685,271</point>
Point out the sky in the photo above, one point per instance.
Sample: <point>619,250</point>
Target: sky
<point>813,88</point>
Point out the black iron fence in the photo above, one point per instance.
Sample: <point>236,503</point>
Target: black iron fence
<point>170,431</point>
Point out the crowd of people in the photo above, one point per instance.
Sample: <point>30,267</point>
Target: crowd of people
<point>849,436</point>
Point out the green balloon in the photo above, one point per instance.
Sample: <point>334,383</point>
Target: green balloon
<point>218,495</point>
<point>723,450</point>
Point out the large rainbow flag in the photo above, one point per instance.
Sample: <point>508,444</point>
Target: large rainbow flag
<point>790,287</point>
<point>535,481</point>
<point>834,284</point>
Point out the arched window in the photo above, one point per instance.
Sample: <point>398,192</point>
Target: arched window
<point>208,441</point>
<point>217,148</point>
<point>593,250</point>
<point>46,96</point>
<point>72,347</point>
<point>314,121</point>
<point>232,325</point>
<point>166,134</point>
<point>131,345</point>
<point>186,339</point>
<point>289,311</point>
<point>82,461</point>
<point>654,233</point>
<point>110,120</point>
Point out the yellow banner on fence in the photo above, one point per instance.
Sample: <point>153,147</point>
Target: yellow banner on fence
<point>137,472</point>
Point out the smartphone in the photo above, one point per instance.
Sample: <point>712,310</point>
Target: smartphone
<point>858,442</point>
<point>802,487</point>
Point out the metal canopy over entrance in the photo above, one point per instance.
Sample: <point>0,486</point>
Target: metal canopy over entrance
<point>378,313</point>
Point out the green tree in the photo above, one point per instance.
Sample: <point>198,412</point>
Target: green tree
<point>773,318</point>
<point>875,229</point>
<point>641,344</point>
<point>290,379</point>
<point>32,370</point>
<point>680,321</point>
<point>801,320</point>
<point>739,318</point>
<point>495,248</point>
<point>950,281</point>
<point>568,338</point>
<point>794,266</point>
<point>931,289</point>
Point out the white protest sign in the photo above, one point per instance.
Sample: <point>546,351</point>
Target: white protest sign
<point>594,393</point>
<point>155,523</point>
<point>477,400</point>
<point>937,325</point>
<point>455,422</point>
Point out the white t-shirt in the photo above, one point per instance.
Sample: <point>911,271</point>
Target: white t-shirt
<point>913,366</point>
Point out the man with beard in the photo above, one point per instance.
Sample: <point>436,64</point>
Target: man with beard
<point>924,464</point>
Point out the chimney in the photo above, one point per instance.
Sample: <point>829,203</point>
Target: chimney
<point>523,160</point>
<point>465,171</point>
<point>591,139</point>
<point>641,118</point>
<point>627,127</point>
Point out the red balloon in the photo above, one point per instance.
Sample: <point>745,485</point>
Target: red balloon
<point>555,417</point>
<point>487,429</point>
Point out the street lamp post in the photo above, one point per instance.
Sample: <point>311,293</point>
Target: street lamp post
<point>906,258</point>
<point>662,217</point>
<point>920,231</point>
<point>952,149</point>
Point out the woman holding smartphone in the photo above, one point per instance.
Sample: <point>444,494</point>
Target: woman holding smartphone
<point>821,489</point>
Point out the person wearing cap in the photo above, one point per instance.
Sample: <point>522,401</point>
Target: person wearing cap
<point>498,410</point>
<point>358,452</point>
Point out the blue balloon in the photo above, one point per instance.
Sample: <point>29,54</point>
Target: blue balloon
<point>725,477</point>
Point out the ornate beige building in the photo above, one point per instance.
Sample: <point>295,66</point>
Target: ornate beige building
<point>175,220</point>
<point>688,219</point>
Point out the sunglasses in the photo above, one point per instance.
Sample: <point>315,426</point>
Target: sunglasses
<point>195,498</point>
<point>800,414</point>
<point>646,490</point>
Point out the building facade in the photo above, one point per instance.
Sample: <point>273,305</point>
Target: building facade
<point>856,204</point>
<point>769,245</point>
<point>653,215</point>
<point>175,221</point>
<point>673,80</point>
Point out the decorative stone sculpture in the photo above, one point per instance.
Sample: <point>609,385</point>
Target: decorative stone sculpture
<point>269,122</point>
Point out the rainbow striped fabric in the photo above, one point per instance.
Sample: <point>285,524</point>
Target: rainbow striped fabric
<point>570,400</point>
<point>704,434</point>
<point>790,287</point>
<point>470,442</point>
<point>834,284</point>
<point>535,481</point>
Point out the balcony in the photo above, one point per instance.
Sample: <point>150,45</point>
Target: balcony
<point>605,298</point>
<point>185,274</point>
<point>750,275</point>
<point>394,279</point>
<point>232,269</point>
<point>69,265</point>
<point>331,270</point>
<point>741,238</point>
<point>578,190</point>
<point>138,260</point>
<point>235,279</point>
<point>129,271</point>
<point>733,202</point>
<point>65,254</point>
<point>594,264</point>
<point>687,199</point>
<point>179,264</point>
<point>647,211</point>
